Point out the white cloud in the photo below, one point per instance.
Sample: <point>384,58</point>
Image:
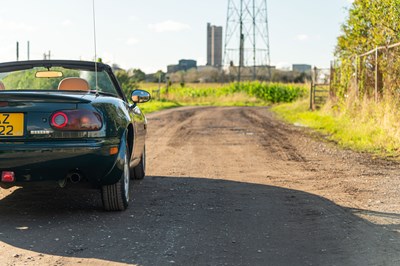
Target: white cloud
<point>302,37</point>
<point>168,26</point>
<point>132,41</point>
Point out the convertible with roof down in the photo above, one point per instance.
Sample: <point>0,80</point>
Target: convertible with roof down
<point>68,122</point>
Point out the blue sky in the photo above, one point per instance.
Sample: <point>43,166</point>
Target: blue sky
<point>154,33</point>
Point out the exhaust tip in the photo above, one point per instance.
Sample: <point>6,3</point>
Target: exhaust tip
<point>74,177</point>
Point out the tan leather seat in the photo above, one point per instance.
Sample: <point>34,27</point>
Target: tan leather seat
<point>2,87</point>
<point>73,84</point>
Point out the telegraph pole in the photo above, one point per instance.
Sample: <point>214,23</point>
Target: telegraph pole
<point>17,51</point>
<point>28,50</point>
<point>47,56</point>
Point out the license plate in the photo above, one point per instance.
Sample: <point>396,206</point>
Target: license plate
<point>11,124</point>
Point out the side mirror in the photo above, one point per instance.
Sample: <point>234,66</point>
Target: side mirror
<point>140,96</point>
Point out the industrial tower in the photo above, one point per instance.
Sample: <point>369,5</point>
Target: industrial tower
<point>214,45</point>
<point>246,49</point>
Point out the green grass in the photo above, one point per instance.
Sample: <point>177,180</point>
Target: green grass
<point>362,128</point>
<point>154,106</point>
<point>243,94</point>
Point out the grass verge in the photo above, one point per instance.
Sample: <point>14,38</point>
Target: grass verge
<point>361,126</point>
<point>154,106</point>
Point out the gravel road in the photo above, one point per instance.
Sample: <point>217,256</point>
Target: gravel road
<point>224,186</point>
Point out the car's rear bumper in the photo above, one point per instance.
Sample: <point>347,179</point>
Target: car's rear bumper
<point>55,160</point>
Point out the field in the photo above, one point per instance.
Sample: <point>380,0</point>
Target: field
<point>233,94</point>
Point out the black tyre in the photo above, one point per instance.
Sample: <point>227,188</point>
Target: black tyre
<point>116,197</point>
<point>139,171</point>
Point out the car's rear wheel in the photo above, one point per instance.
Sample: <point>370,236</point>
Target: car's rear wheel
<point>139,171</point>
<point>116,197</point>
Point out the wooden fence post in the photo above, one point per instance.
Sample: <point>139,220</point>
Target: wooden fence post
<point>331,79</point>
<point>311,95</point>
<point>357,76</point>
<point>376,74</point>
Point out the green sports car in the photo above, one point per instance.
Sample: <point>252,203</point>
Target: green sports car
<point>64,121</point>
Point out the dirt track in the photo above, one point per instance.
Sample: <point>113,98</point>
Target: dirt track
<point>225,186</point>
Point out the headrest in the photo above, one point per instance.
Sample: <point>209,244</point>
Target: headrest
<point>73,84</point>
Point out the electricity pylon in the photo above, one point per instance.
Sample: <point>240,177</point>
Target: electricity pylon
<point>246,49</point>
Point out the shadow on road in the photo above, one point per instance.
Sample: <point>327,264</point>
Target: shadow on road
<point>195,221</point>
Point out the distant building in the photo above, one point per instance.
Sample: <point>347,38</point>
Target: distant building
<point>302,68</point>
<point>184,65</point>
<point>172,68</point>
<point>214,45</point>
<point>187,64</point>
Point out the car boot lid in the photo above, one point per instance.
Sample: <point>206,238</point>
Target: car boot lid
<point>45,96</point>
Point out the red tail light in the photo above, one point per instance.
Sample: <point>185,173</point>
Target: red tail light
<point>76,120</point>
<point>59,120</point>
<point>7,177</point>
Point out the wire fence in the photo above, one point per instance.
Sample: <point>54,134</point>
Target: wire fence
<point>372,74</point>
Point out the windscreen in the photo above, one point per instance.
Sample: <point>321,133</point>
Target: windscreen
<point>41,78</point>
